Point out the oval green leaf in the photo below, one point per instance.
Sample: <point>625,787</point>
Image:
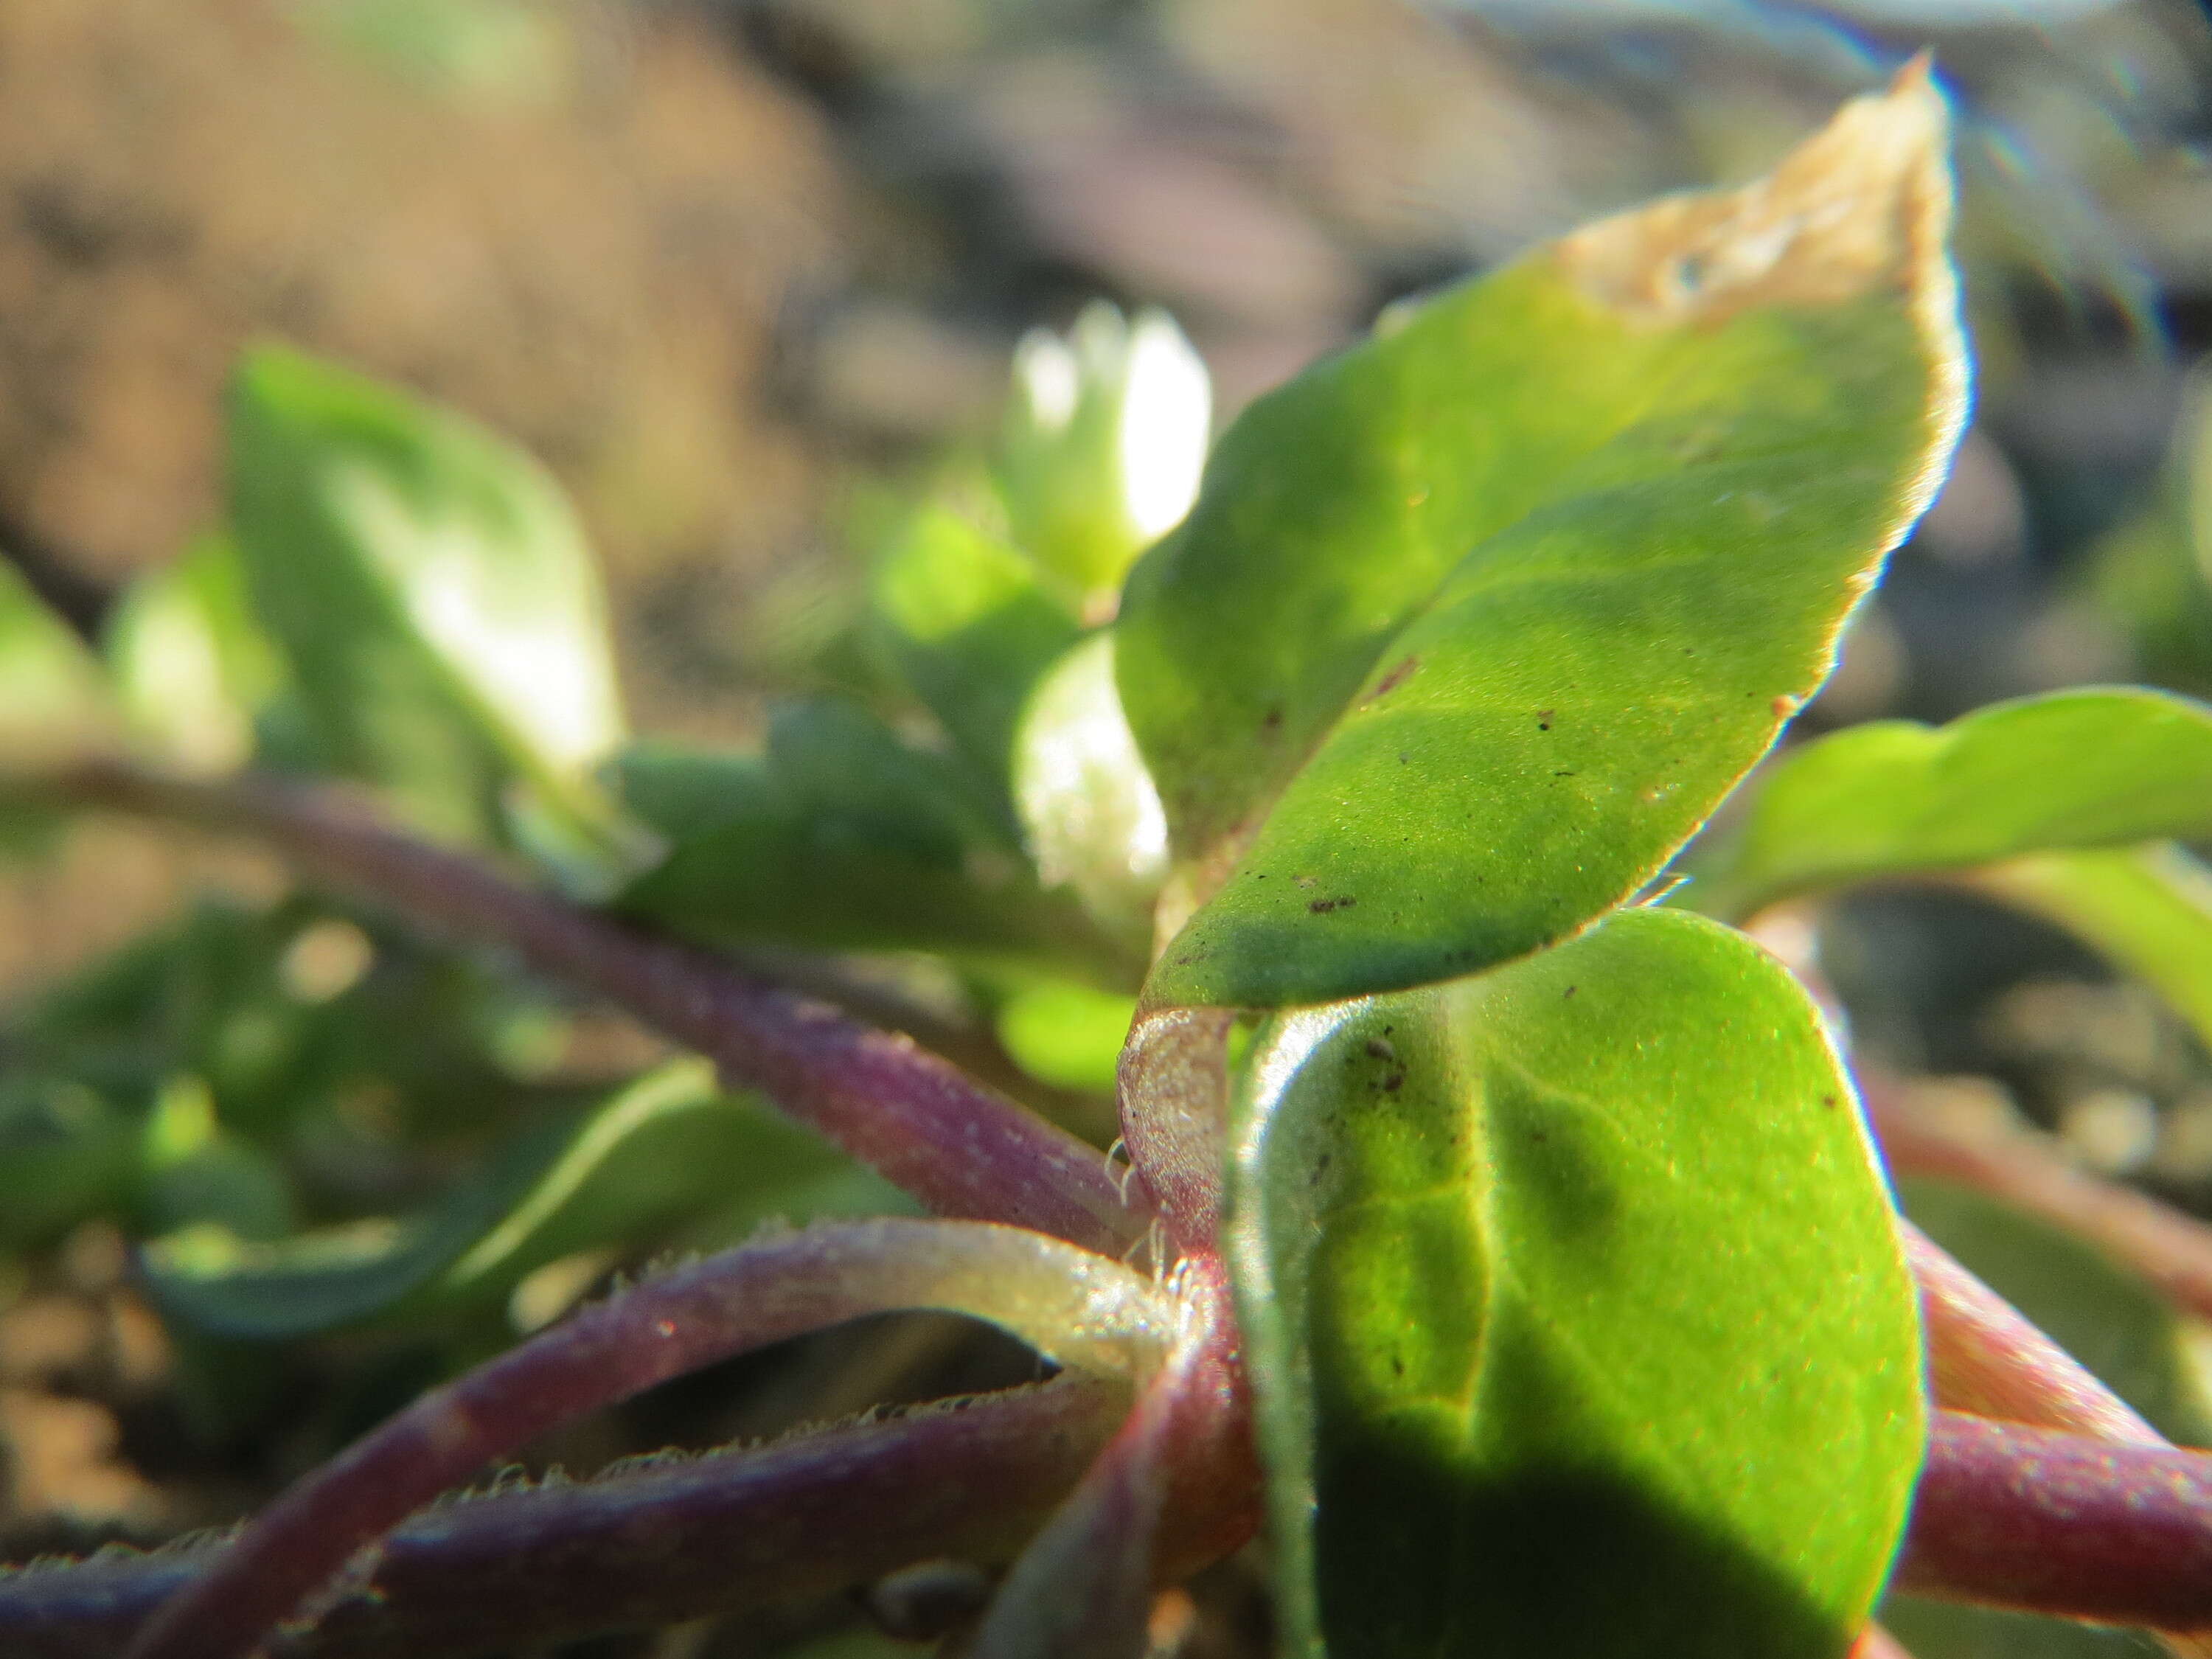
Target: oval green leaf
<point>1474,624</point>
<point>1576,1312</point>
<point>2088,768</point>
<point>434,595</point>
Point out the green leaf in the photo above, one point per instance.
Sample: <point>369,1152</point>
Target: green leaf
<point>199,1175</point>
<point>1949,1630</point>
<point>1576,1315</point>
<point>2143,583</point>
<point>191,668</point>
<point>1474,624</point>
<point>2122,1328</point>
<point>65,1154</point>
<point>971,627</point>
<point>53,702</point>
<point>1087,805</point>
<point>1104,439</point>
<point>432,592</point>
<point>2146,909</point>
<point>667,1148</point>
<point>844,837</point>
<point>2073,769</point>
<point>684,792</point>
<point>1064,1034</point>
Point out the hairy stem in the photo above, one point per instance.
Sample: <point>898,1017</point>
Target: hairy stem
<point>2044,1522</point>
<point>1176,1488</point>
<point>731,1532</point>
<point>1172,1090</point>
<point>1091,1312</point>
<point>923,1124</point>
<point>1986,1357</point>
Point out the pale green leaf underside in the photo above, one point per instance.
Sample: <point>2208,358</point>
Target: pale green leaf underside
<point>1473,625</point>
<point>1514,1397</point>
<point>2077,769</point>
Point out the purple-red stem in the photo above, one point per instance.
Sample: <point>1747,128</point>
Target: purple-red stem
<point>2010,1517</point>
<point>1176,1488</point>
<point>1987,1358</point>
<point>2033,1519</point>
<point>1172,1091</point>
<point>923,1124</point>
<point>731,1532</point>
<point>687,1318</point>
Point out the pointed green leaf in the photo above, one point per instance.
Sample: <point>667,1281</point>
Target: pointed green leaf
<point>191,668</point>
<point>53,701</point>
<point>971,627</point>
<point>432,592</point>
<point>667,1148</point>
<point>2073,769</point>
<point>2146,909</point>
<point>1087,805</point>
<point>844,837</point>
<point>1474,624</point>
<point>1576,1312</point>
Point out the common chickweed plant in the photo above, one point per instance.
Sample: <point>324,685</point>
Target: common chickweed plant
<point>1494,1223</point>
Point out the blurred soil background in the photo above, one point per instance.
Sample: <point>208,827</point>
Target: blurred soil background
<point>727,265</point>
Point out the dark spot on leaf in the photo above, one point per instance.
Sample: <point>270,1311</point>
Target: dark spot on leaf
<point>1322,907</point>
<point>1544,719</point>
<point>1392,1082</point>
<point>1563,774</point>
<point>1397,1365</point>
<point>1396,677</point>
<point>1380,1049</point>
<point>1828,1100</point>
<point>1271,720</point>
<point>1570,991</point>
